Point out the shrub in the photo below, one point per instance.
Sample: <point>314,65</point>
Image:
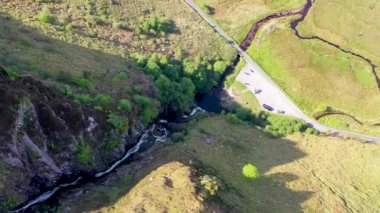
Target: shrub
<point>138,89</point>
<point>45,16</point>
<point>82,82</point>
<point>69,28</point>
<point>98,108</point>
<point>280,125</point>
<point>83,98</point>
<point>142,101</point>
<point>231,78</point>
<point>125,104</point>
<point>112,144</point>
<point>211,185</point>
<point>12,73</point>
<point>118,122</point>
<point>83,153</point>
<point>250,171</point>
<point>140,59</point>
<point>149,114</point>
<point>220,67</point>
<point>312,131</point>
<point>244,114</point>
<point>103,99</point>
<point>206,8</point>
<point>122,75</point>
<point>232,119</point>
<point>156,25</point>
<point>32,67</point>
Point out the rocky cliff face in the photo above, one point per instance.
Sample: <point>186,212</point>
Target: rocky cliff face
<point>44,135</point>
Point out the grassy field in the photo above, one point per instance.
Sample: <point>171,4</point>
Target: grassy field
<point>236,17</point>
<point>241,96</point>
<point>300,173</point>
<point>113,28</point>
<point>99,38</point>
<point>90,46</point>
<point>354,25</point>
<point>316,75</point>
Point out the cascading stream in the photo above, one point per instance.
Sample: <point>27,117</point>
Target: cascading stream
<point>156,133</point>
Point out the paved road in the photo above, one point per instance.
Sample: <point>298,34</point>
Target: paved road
<point>255,78</point>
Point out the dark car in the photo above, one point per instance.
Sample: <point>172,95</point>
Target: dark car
<point>258,91</point>
<point>252,70</point>
<point>281,111</point>
<point>267,107</point>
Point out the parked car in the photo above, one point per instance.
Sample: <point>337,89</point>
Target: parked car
<point>281,111</point>
<point>247,84</point>
<point>258,91</point>
<point>267,107</point>
<point>252,70</point>
<point>247,73</point>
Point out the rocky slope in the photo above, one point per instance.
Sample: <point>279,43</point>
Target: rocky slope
<point>46,138</point>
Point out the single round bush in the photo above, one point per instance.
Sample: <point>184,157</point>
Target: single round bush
<point>45,16</point>
<point>250,171</point>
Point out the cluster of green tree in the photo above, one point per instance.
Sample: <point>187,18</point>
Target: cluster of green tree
<point>119,110</point>
<point>177,81</point>
<point>279,125</point>
<point>274,125</point>
<point>155,25</point>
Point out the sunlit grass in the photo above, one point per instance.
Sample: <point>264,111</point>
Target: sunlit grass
<point>313,73</point>
<point>237,17</point>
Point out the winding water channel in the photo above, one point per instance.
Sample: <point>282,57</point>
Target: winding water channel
<point>303,12</point>
<point>211,102</point>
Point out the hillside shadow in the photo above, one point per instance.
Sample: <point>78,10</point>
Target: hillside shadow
<point>27,51</point>
<point>267,194</point>
<point>25,48</point>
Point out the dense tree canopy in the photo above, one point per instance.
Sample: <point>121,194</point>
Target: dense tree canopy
<point>177,81</point>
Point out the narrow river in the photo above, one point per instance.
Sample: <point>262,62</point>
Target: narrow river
<point>303,12</point>
<point>211,102</point>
